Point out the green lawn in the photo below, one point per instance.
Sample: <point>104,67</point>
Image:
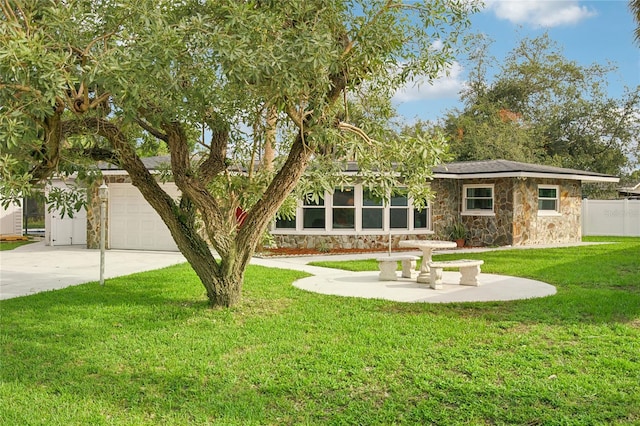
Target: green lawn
<point>145,349</point>
<point>10,245</point>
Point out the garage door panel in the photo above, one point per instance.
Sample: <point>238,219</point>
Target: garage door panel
<point>133,222</point>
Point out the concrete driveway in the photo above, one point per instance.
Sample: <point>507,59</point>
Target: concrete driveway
<point>34,268</point>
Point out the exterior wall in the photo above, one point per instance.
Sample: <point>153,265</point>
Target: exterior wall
<point>93,211</point>
<point>483,230</point>
<point>11,220</point>
<point>532,228</point>
<point>516,220</point>
<point>328,242</point>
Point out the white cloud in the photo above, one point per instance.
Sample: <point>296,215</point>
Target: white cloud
<point>540,13</point>
<point>447,85</point>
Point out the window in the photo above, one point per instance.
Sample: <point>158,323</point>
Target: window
<point>344,211</point>
<point>548,201</point>
<point>355,209</point>
<point>399,212</point>
<point>421,218</point>
<point>313,214</point>
<point>282,223</point>
<point>372,211</point>
<point>477,199</point>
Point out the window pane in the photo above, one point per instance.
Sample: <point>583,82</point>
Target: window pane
<point>547,192</point>
<point>286,224</point>
<point>343,198</point>
<point>372,218</point>
<point>479,204</point>
<point>320,202</point>
<point>313,218</point>
<point>369,200</point>
<point>399,200</point>
<point>420,219</point>
<point>344,218</point>
<point>546,204</point>
<point>398,218</point>
<point>479,193</point>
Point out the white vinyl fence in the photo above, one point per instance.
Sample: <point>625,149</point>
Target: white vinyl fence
<point>611,217</point>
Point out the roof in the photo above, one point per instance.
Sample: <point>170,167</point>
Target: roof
<point>151,163</point>
<point>630,190</point>
<point>506,168</point>
<point>460,170</point>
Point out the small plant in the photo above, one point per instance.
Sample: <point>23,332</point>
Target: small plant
<point>457,231</point>
<point>323,247</point>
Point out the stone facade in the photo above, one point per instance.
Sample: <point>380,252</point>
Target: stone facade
<point>93,211</point>
<point>327,242</point>
<point>564,227</point>
<point>515,220</point>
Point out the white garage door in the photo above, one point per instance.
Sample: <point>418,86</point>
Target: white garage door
<point>133,223</point>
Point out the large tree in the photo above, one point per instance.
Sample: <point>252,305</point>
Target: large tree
<point>80,80</point>
<point>542,107</point>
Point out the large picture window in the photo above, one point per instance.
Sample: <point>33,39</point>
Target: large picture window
<point>355,209</point>
<point>477,199</point>
<point>548,199</point>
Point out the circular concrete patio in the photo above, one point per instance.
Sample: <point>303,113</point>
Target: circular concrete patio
<point>366,285</point>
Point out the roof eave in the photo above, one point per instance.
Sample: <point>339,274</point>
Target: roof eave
<point>583,178</point>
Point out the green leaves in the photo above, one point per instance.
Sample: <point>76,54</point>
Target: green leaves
<point>542,107</point>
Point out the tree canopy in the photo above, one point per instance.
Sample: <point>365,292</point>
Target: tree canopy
<point>542,107</point>
<point>214,83</point>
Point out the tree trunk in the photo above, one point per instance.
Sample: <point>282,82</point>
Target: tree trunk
<point>270,138</point>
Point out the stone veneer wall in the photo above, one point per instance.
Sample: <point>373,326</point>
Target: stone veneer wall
<point>516,221</point>
<point>483,230</point>
<point>328,242</point>
<point>93,211</point>
<point>529,228</point>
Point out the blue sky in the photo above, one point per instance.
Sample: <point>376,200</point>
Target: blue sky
<point>587,31</point>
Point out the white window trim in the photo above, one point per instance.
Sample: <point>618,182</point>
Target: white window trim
<point>478,212</point>
<point>358,200</point>
<point>555,212</point>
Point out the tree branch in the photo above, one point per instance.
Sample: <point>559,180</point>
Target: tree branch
<point>154,132</point>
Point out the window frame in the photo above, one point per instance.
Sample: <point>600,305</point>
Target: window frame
<point>478,212</point>
<point>332,209</point>
<point>302,207</point>
<point>549,212</point>
<point>359,207</point>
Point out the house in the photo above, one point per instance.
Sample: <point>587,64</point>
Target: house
<point>630,192</point>
<point>499,202</point>
<point>11,221</point>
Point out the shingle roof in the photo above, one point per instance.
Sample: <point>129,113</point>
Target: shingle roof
<point>506,168</point>
<point>460,170</point>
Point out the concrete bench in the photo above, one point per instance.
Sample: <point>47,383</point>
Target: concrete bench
<point>469,271</point>
<point>389,264</point>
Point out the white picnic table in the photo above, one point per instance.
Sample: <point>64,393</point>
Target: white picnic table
<point>427,247</point>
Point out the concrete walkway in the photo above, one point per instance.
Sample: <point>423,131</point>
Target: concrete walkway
<point>34,268</point>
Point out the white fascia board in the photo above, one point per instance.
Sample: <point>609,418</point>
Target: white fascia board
<point>583,178</point>
<point>123,172</point>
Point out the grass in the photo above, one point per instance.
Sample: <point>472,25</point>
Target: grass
<point>10,245</point>
<point>145,349</point>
